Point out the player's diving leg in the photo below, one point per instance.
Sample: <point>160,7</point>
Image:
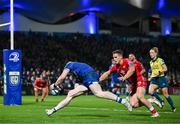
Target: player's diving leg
<point>140,95</point>
<point>71,94</point>
<point>152,92</point>
<point>168,98</point>
<point>97,91</point>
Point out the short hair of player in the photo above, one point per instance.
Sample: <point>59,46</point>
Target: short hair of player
<point>120,52</point>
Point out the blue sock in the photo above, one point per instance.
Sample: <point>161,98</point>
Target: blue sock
<point>118,99</point>
<point>155,94</point>
<point>127,93</point>
<point>170,101</point>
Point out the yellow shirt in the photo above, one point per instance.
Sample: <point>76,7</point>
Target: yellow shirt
<point>157,68</point>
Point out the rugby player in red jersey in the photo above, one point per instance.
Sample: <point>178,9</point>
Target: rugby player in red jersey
<point>127,71</point>
<point>141,84</point>
<point>42,85</point>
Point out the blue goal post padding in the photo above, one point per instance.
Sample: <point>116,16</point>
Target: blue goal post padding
<point>12,64</point>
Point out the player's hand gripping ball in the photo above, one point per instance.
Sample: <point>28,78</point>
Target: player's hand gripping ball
<point>54,90</point>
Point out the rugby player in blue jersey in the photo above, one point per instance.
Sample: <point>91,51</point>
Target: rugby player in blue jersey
<point>90,80</point>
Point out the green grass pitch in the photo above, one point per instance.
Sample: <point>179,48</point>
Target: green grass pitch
<point>84,110</point>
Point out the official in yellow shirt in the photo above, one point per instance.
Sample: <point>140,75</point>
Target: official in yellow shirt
<point>158,67</point>
<point>158,80</point>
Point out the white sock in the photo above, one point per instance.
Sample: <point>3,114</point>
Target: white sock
<point>120,100</point>
<point>59,106</point>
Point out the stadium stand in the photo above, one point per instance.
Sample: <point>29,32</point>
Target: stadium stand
<point>47,53</point>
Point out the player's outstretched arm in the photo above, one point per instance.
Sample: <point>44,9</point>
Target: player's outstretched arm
<point>104,76</point>
<point>60,79</point>
<point>129,73</point>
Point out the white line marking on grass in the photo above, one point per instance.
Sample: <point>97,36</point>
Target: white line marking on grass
<point>106,109</point>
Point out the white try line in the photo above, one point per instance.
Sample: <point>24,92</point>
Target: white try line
<point>106,109</point>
